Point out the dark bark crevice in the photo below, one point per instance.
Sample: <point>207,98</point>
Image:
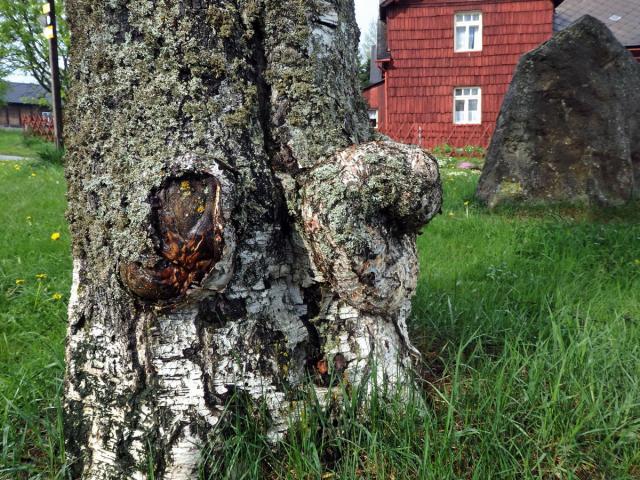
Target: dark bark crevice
<point>259,62</point>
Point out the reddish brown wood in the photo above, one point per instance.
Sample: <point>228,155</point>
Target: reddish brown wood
<point>375,97</point>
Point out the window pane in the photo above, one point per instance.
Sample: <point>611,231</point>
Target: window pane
<point>472,37</point>
<point>458,91</point>
<point>467,91</point>
<point>459,114</point>
<point>459,18</point>
<point>476,17</point>
<point>474,113</point>
<point>474,91</point>
<point>460,37</point>
<point>373,118</point>
<point>467,18</point>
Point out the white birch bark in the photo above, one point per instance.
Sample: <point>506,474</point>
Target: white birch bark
<point>241,121</point>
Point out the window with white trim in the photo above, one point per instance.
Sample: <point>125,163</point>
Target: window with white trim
<point>467,105</point>
<point>373,118</point>
<point>468,32</point>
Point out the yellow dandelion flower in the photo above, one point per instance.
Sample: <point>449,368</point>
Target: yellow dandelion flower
<point>33,174</point>
<point>200,209</point>
<point>17,167</point>
<point>29,218</point>
<point>466,204</point>
<point>185,185</point>
<point>451,214</point>
<point>41,276</point>
<point>55,236</point>
<point>56,297</point>
<point>19,281</point>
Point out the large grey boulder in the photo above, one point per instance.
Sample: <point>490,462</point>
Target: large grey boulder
<point>569,127</point>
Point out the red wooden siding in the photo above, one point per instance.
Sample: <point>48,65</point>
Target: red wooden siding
<point>11,115</point>
<point>425,69</point>
<point>374,95</point>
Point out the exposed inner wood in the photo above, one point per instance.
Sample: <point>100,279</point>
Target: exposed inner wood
<point>188,226</point>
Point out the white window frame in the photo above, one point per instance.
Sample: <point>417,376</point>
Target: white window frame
<point>460,20</point>
<point>466,94</point>
<point>373,115</point>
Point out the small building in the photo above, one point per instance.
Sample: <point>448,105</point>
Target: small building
<point>21,99</point>
<point>446,65</point>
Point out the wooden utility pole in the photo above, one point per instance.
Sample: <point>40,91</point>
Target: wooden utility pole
<point>51,33</point>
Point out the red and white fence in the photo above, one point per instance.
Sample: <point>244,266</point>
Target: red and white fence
<point>429,137</point>
<point>39,126</point>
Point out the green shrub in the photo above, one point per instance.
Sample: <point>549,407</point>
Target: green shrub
<point>31,140</point>
<point>49,153</point>
<point>45,151</point>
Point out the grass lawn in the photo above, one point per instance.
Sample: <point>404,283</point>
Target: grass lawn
<point>529,321</point>
<point>33,269</point>
<point>12,143</point>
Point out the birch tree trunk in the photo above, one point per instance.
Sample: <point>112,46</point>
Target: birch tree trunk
<point>236,230</point>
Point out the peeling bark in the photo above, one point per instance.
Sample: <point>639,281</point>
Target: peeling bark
<point>236,229</point>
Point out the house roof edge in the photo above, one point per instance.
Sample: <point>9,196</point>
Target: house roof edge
<point>371,85</point>
<point>385,3</point>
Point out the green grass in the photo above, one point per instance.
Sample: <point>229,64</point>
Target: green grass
<point>529,321</point>
<point>12,143</point>
<point>32,321</point>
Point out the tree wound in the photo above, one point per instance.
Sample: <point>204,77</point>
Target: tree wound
<point>187,227</point>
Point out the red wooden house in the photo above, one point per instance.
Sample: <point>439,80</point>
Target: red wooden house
<point>21,100</point>
<point>443,66</point>
<point>447,64</point>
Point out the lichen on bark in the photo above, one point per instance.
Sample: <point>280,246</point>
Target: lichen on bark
<point>316,259</point>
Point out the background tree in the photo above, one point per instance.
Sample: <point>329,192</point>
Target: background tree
<point>22,45</point>
<point>368,39</point>
<point>364,70</point>
<point>236,233</point>
<point>3,90</point>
